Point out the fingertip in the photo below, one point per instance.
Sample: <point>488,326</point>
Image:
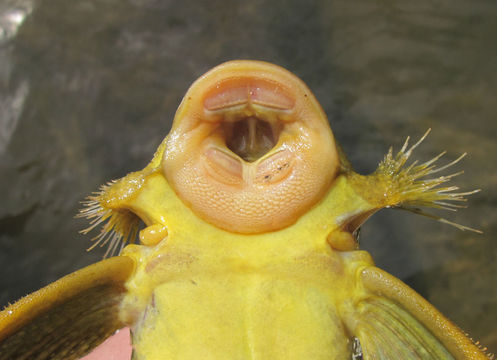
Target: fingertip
<point>116,347</point>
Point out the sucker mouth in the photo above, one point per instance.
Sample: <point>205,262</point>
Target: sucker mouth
<point>251,111</point>
<point>250,138</point>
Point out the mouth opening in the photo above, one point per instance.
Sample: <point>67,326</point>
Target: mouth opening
<point>251,138</point>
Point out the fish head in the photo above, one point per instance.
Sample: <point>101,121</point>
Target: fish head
<point>250,150</point>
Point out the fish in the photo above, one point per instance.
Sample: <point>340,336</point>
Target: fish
<point>250,246</point>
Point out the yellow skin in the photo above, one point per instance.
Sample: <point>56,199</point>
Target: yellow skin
<point>249,250</point>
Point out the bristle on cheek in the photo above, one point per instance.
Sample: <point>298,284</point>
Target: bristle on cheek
<point>411,187</point>
<point>119,227</point>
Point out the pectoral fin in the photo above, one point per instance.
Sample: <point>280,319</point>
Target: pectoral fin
<point>67,318</point>
<point>395,322</point>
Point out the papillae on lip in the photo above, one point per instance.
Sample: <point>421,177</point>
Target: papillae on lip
<point>293,162</point>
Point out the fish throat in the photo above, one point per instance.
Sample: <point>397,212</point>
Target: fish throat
<point>250,138</point>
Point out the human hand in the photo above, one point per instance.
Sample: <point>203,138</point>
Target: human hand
<point>116,347</point>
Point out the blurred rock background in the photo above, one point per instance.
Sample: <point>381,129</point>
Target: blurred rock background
<point>89,88</point>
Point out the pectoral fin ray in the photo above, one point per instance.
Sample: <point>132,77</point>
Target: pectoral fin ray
<point>395,322</point>
<point>67,318</point>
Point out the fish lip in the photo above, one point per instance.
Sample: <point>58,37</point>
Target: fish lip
<point>237,98</point>
<point>248,90</point>
<point>231,111</point>
<point>231,135</point>
<point>249,201</point>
